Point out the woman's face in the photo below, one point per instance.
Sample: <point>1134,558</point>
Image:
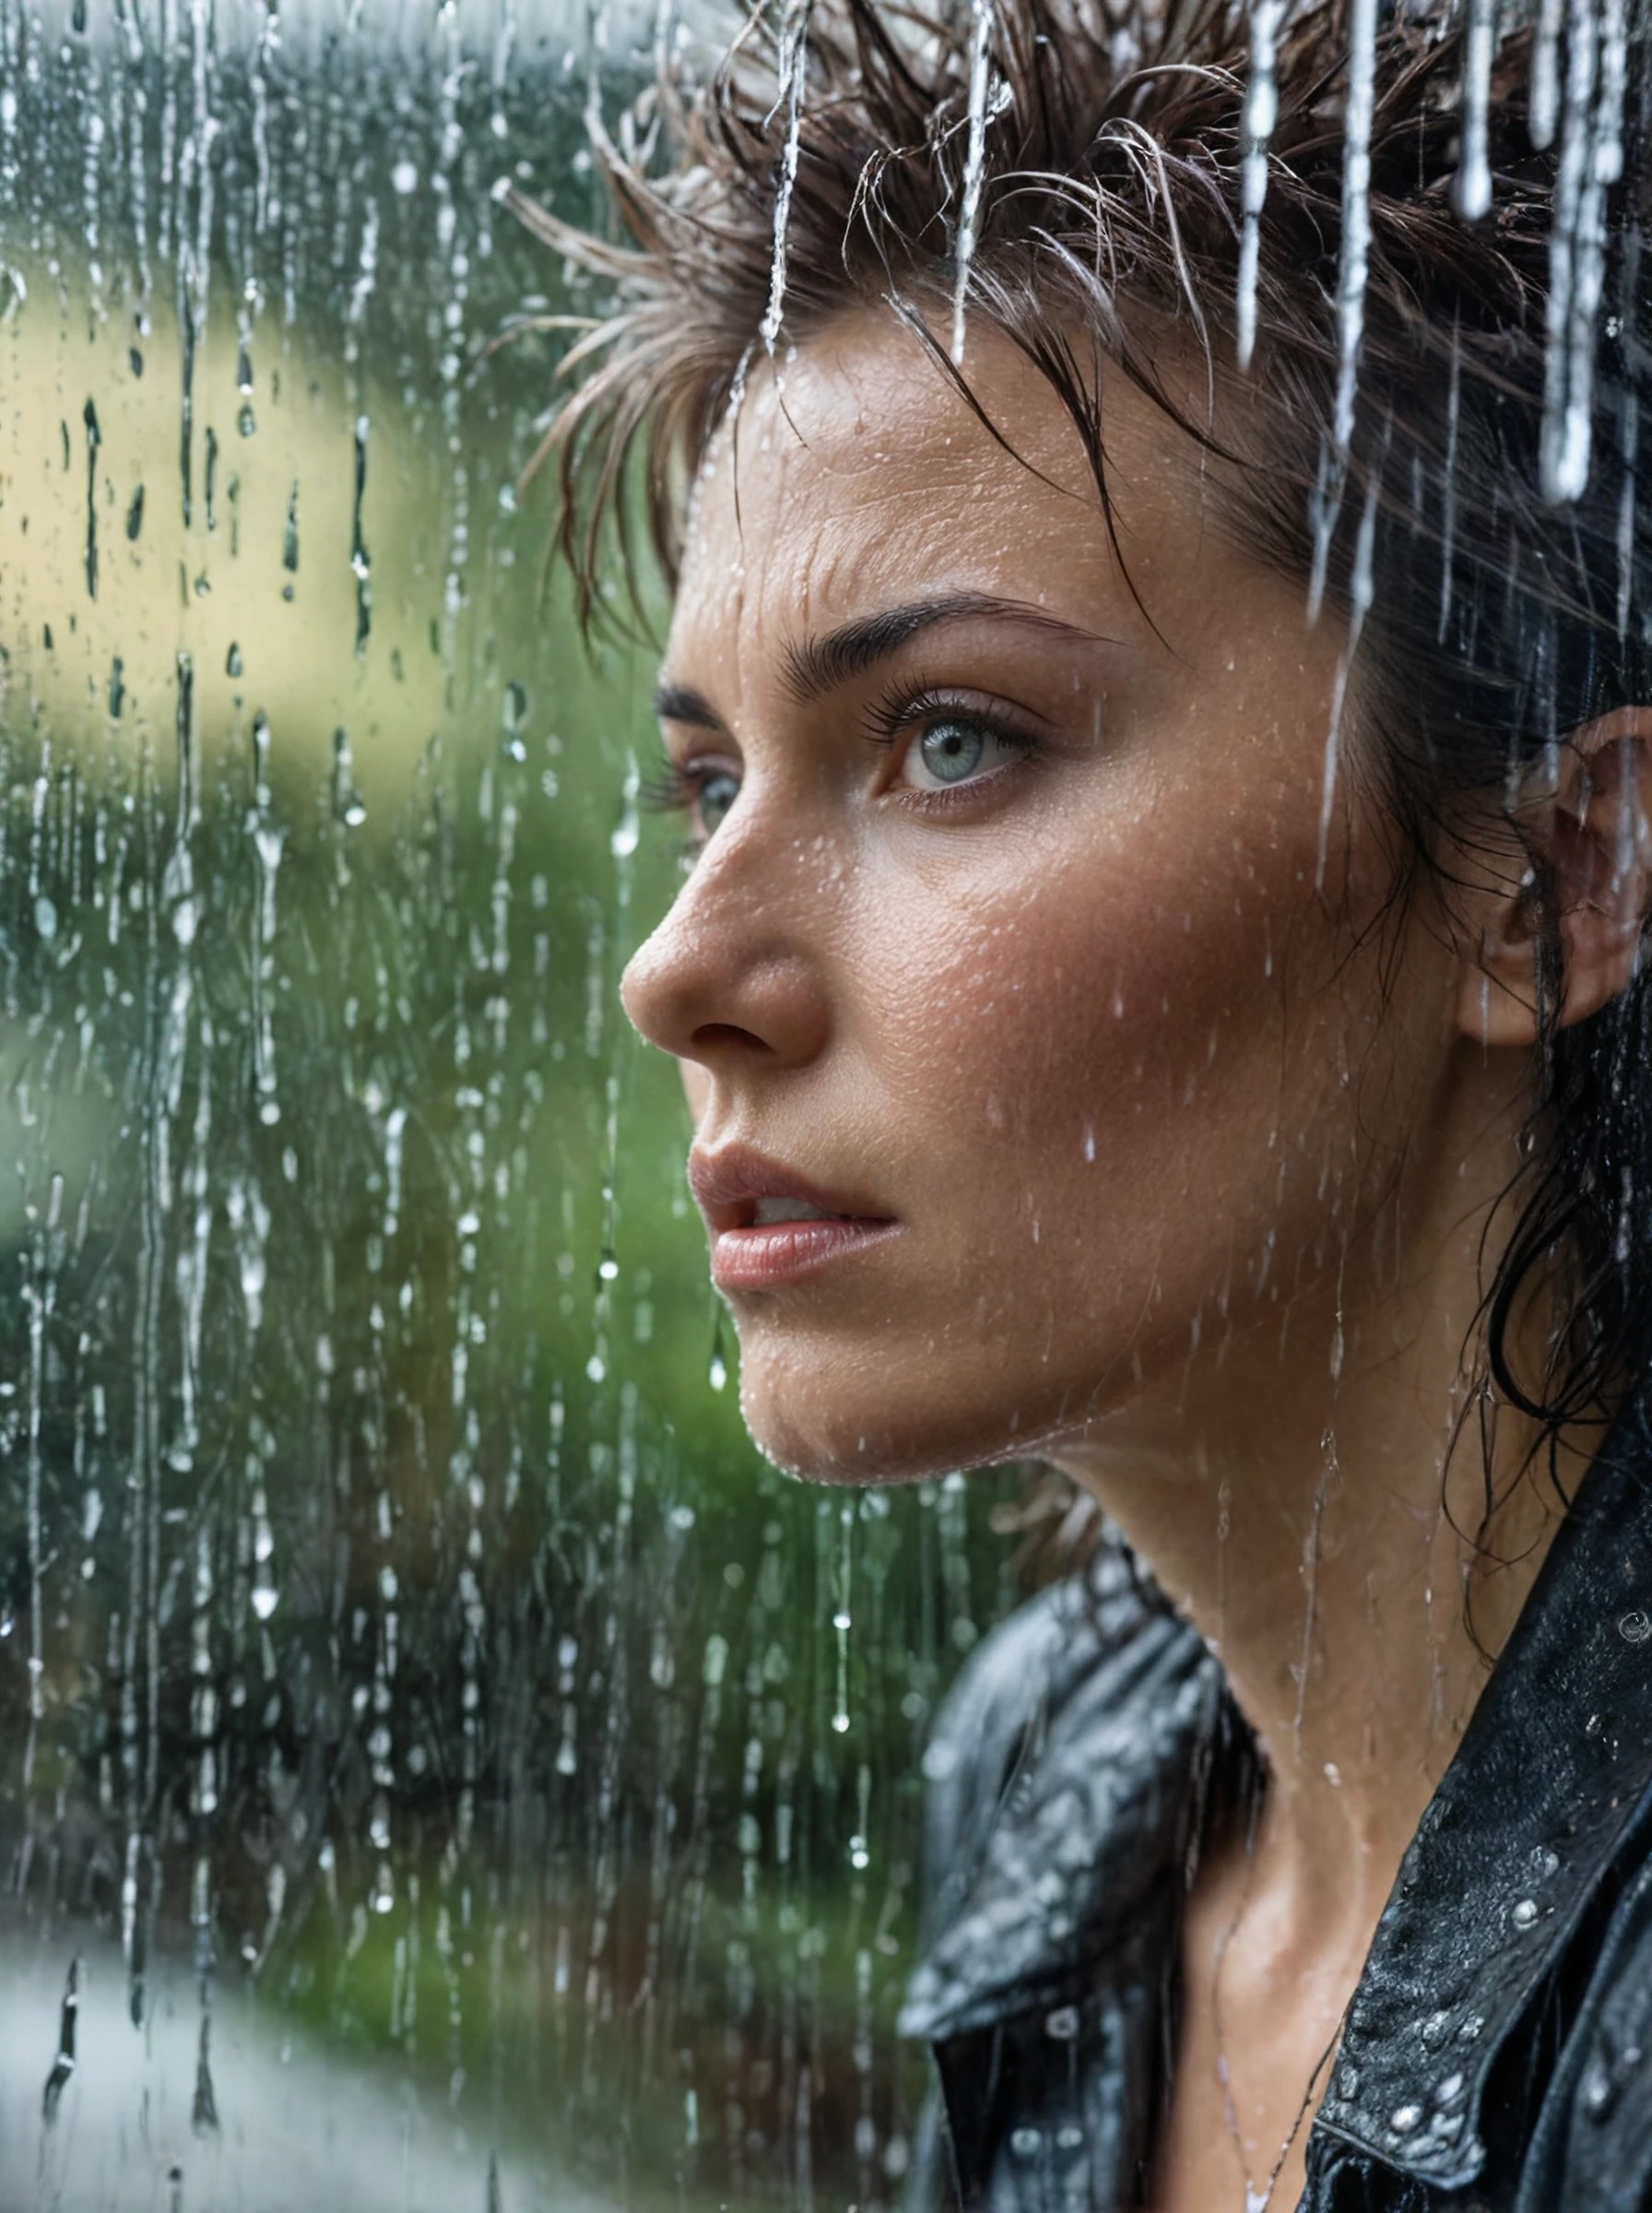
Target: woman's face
<point>1020,936</point>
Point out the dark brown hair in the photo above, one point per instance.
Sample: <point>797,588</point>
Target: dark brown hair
<point>1494,615</point>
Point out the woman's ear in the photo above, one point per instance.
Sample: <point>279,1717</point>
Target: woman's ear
<point>1589,833</point>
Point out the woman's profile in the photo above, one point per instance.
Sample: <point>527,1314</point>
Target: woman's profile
<point>1158,677</point>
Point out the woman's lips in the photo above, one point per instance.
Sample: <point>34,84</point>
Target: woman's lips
<point>771,1226</point>
<point>762,1259</point>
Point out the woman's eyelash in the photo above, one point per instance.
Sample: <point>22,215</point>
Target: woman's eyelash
<point>671,787</point>
<point>668,789</point>
<point>902,712</point>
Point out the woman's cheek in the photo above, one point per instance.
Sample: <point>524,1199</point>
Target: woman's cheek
<point>1101,1077</point>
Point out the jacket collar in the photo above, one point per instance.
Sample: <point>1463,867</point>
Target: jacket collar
<point>1060,1781</point>
<point>1077,1733</point>
<point>1547,1784</point>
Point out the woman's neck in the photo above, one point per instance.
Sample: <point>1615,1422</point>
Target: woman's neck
<point>1314,1497</point>
<point>1320,1513</point>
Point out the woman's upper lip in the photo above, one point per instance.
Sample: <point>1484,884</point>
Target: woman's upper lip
<point>728,1182</point>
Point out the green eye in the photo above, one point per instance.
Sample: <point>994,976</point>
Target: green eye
<point>950,750</point>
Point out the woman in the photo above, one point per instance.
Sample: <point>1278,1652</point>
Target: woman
<point>1160,989</point>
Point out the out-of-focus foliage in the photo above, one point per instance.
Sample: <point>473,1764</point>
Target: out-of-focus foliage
<point>395,1626</point>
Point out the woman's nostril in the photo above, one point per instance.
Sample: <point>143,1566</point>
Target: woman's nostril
<point>715,1037</point>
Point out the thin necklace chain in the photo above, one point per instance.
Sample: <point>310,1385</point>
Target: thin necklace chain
<point>1255,2200</point>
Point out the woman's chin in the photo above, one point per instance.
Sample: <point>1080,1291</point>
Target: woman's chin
<point>849,1435</point>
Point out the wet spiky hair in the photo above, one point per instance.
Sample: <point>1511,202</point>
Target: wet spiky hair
<point>1446,504</point>
<point>1112,184</point>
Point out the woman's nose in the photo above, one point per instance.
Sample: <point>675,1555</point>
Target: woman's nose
<point>728,977</point>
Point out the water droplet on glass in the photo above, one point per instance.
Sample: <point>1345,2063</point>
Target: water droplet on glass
<point>1599,2093</point>
<point>628,829</point>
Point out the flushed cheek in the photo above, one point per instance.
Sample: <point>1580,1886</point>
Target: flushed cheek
<point>1078,1051</point>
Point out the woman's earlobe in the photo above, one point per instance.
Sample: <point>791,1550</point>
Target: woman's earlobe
<point>1588,833</point>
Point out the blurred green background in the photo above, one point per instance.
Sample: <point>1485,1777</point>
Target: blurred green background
<point>402,1648</point>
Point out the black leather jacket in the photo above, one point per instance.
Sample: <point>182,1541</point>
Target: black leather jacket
<point>1496,2056</point>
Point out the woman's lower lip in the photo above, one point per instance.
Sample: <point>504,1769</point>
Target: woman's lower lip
<point>783,1252</point>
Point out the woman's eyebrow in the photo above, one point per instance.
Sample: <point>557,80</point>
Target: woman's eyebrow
<point>681,703</point>
<point>819,664</point>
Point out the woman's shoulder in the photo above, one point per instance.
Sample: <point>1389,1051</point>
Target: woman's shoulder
<point>1502,2026</point>
<point>1056,1783</point>
<point>1593,2143</point>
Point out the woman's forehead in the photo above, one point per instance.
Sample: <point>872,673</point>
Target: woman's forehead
<point>854,471</point>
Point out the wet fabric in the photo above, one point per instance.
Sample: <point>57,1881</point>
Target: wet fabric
<point>1496,2056</point>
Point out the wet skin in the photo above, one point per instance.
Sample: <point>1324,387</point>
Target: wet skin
<point>1024,936</point>
<point>1071,1022</point>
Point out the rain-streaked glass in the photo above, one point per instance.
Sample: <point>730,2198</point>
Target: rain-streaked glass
<point>439,1764</point>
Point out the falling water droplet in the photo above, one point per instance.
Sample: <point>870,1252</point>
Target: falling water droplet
<point>1356,212</point>
<point>982,19</point>
<point>1261,111</point>
<point>792,65</point>
<point>1472,191</point>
